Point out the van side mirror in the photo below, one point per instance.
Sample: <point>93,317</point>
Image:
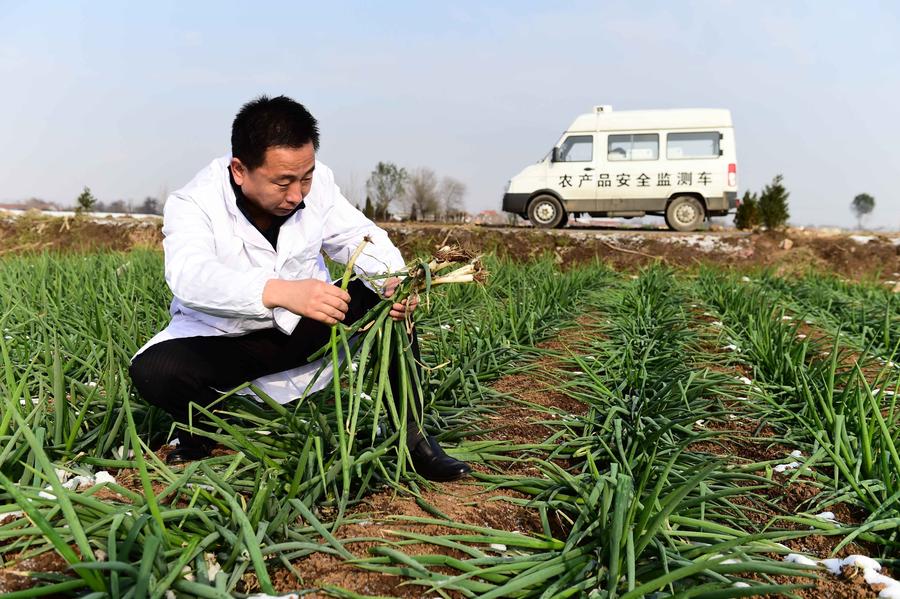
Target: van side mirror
<point>554,155</point>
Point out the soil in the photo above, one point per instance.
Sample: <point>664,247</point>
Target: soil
<point>852,256</point>
<point>463,501</point>
<point>18,574</point>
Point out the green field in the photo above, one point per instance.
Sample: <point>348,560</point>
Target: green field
<point>675,477</point>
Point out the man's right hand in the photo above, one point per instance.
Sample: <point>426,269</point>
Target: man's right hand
<point>309,298</point>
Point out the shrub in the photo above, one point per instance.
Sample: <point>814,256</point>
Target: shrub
<point>747,214</point>
<point>773,205</point>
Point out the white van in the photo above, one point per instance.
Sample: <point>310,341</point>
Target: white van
<point>680,164</point>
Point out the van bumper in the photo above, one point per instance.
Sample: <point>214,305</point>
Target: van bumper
<point>515,202</point>
<point>721,206</point>
<point>731,198</point>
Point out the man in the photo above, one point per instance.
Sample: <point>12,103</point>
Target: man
<point>252,297</point>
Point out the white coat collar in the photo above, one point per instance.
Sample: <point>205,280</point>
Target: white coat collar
<point>243,228</point>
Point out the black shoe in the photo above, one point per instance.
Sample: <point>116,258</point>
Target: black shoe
<point>432,463</point>
<point>188,452</point>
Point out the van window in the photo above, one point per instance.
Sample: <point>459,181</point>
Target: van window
<point>577,148</point>
<point>692,145</point>
<point>639,146</point>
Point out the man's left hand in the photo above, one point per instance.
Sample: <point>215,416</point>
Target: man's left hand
<point>400,309</point>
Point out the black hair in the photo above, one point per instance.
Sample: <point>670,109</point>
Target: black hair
<point>265,123</point>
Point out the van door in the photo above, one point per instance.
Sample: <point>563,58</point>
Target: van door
<point>630,173</point>
<point>572,174</point>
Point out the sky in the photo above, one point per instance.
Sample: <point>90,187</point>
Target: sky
<point>132,100</point>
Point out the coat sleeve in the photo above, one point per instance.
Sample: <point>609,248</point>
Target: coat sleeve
<point>198,276</point>
<point>343,231</point>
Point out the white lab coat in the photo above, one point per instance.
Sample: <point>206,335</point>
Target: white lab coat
<point>217,263</point>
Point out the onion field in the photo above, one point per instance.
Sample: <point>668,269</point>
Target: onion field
<point>704,432</point>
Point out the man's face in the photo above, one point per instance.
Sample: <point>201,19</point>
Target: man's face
<point>282,181</point>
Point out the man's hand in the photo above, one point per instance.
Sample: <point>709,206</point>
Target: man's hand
<point>400,309</point>
<point>310,298</point>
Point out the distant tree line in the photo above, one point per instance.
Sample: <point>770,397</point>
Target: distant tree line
<point>86,202</point>
<point>415,195</point>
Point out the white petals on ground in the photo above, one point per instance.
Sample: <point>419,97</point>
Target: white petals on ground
<point>862,562</point>
<point>119,453</point>
<point>796,454</point>
<point>786,317</point>
<point>786,467</point>
<point>828,517</point>
<point>745,380</point>
<point>796,558</point>
<point>745,279</point>
<point>498,547</point>
<point>77,482</point>
<point>833,564</point>
<point>103,477</point>
<point>741,585</point>
<point>446,327</point>
<point>717,323</point>
<point>212,566</point>
<point>732,347</point>
<point>888,587</point>
<point>86,481</point>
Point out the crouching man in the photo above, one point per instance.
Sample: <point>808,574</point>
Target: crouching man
<point>252,297</point>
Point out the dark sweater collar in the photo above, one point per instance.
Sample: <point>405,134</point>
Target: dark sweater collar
<point>243,204</point>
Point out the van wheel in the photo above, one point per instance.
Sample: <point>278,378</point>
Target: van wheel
<point>546,212</point>
<point>685,213</point>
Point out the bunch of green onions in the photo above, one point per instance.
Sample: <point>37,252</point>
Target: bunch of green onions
<point>374,342</point>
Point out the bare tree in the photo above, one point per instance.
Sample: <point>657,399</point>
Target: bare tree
<point>386,184</point>
<point>451,193</point>
<point>118,206</point>
<point>422,197</point>
<point>39,204</point>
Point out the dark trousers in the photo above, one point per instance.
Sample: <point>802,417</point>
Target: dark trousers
<point>174,373</point>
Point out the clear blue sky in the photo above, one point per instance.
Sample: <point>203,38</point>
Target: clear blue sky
<point>134,99</point>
